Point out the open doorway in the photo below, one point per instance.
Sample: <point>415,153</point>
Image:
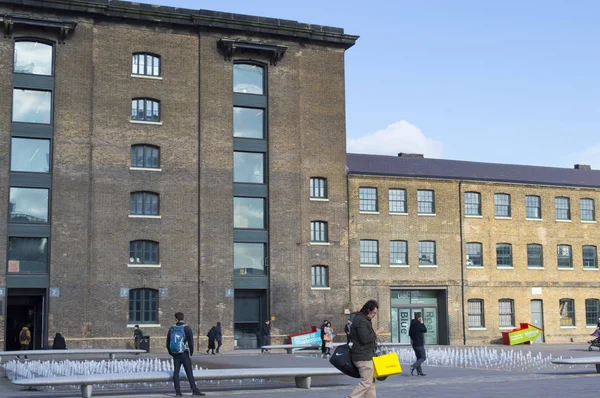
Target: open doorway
<point>25,307</point>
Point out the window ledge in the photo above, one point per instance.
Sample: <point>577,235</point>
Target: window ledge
<point>563,220</point>
<point>147,77</point>
<point>538,268</point>
<point>319,199</point>
<point>143,216</point>
<point>568,327</point>
<point>368,212</point>
<point>371,265</point>
<point>145,122</point>
<point>505,328</point>
<point>477,329</point>
<point>395,213</point>
<point>427,265</point>
<point>144,265</point>
<point>591,326</point>
<point>474,267</point>
<point>399,266</point>
<point>565,269</point>
<point>144,325</point>
<point>534,219</point>
<point>590,269</point>
<point>144,169</point>
<point>427,214</point>
<point>320,288</point>
<point>473,216</point>
<point>502,218</point>
<point>588,222</point>
<point>320,243</point>
<point>504,267</point>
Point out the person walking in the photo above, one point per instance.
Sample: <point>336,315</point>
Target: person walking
<point>328,337</point>
<point>25,338</point>
<point>211,340</point>
<point>347,330</point>
<point>363,349</point>
<point>180,345</point>
<point>266,336</point>
<point>323,348</point>
<point>59,342</point>
<point>219,336</point>
<point>137,336</point>
<point>416,331</point>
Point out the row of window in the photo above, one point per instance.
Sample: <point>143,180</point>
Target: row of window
<point>369,252</point>
<point>506,312</point>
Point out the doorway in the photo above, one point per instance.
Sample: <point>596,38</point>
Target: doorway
<point>250,312</point>
<point>537,318</point>
<point>25,307</point>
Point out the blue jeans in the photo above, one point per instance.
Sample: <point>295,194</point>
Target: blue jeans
<point>183,359</point>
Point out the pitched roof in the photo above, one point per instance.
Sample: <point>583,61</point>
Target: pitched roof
<point>475,171</point>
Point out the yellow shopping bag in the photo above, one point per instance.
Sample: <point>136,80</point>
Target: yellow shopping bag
<point>387,365</point>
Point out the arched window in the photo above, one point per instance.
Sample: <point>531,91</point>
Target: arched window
<point>590,257</point>
<point>504,255</point>
<point>248,78</point>
<point>535,258</point>
<point>143,306</point>
<point>566,309</point>
<point>143,252</point>
<point>146,156</point>
<point>145,110</point>
<point>318,231</point>
<point>476,313</point>
<point>145,64</point>
<point>318,188</point>
<point>144,204</point>
<point>320,276</point>
<point>33,58</point>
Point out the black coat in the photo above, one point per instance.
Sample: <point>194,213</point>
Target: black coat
<point>363,338</point>
<point>218,333</point>
<point>266,329</point>
<point>416,333</point>
<point>59,342</point>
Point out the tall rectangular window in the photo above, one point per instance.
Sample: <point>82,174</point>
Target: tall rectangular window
<point>397,200</point>
<point>504,255</point>
<point>474,255</point>
<point>367,198</point>
<point>567,312</point>
<point>562,206</point>
<point>565,256</point>
<point>592,308</point>
<point>318,188</point>
<point>590,257</point>
<point>369,252</point>
<point>476,313</point>
<point>398,252</point>
<point>502,205</point>
<point>427,253</point>
<point>588,212</point>
<point>318,232</point>
<point>506,313</point>
<point>425,202</point>
<point>534,256</point>
<point>320,276</point>
<point>533,207</point>
<point>472,204</point>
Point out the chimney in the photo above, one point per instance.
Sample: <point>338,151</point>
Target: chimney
<point>410,155</point>
<point>583,167</point>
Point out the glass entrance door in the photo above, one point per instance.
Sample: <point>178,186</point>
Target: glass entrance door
<point>401,318</point>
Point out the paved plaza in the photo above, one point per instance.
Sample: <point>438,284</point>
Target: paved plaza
<point>441,381</point>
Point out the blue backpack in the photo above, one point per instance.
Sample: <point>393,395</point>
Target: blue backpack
<point>177,343</point>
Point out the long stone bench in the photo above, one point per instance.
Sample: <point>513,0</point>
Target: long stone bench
<point>302,377</point>
<point>289,348</point>
<point>111,352</point>
<point>580,361</point>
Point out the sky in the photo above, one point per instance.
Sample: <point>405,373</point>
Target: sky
<point>507,81</point>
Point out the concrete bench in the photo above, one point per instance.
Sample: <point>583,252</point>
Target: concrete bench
<point>580,361</point>
<point>302,377</point>
<point>111,352</point>
<point>289,348</point>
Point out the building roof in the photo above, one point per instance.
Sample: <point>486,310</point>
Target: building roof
<point>419,167</point>
<point>200,18</point>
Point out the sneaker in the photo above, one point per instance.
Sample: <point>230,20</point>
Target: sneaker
<point>198,393</point>
<point>178,394</point>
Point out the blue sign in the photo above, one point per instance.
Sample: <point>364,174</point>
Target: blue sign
<point>228,292</point>
<point>309,338</point>
<point>54,292</point>
<point>124,292</point>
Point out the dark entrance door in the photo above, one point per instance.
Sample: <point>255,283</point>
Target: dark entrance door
<point>250,311</point>
<point>25,307</point>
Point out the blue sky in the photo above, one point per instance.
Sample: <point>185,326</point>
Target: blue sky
<point>504,82</point>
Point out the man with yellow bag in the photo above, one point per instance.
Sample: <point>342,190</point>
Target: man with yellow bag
<point>363,349</point>
<point>415,332</point>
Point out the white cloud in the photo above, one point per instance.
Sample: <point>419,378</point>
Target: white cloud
<point>398,137</point>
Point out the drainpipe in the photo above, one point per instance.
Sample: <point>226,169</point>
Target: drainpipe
<point>462,268</point>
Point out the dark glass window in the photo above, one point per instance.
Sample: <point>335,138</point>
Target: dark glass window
<point>34,58</point>
<point>427,253</point>
<point>563,208</point>
<point>592,307</point>
<point>249,167</point>
<point>590,257</point>
<point>143,252</point>
<point>143,306</point>
<point>144,203</point>
<point>398,252</point>
<point>367,198</point>
<point>533,207</point>
<point>535,257</point>
<point>425,202</point>
<point>145,110</point>
<point>320,276</point>
<point>506,313</point>
<point>318,231</point>
<point>147,156</point>
<point>502,205</point>
<point>145,64</point>
<point>567,312</point>
<point>476,313</point>
<point>249,259</point>
<point>504,255</point>
<point>27,255</point>
<point>474,255</point>
<point>397,200</point>
<point>28,205</point>
<point>248,79</point>
<point>369,252</point>
<point>248,122</point>
<point>588,212</point>
<point>565,257</point>
<point>318,188</point>
<point>472,203</point>
<point>249,213</point>
<point>30,155</point>
<point>32,106</point>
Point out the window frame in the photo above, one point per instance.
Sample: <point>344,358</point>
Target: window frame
<point>530,257</point>
<point>423,203</point>
<point>502,205</point>
<point>503,314</point>
<point>504,256</point>
<point>319,232</point>
<point>470,204</point>
<point>369,254</point>
<point>558,209</point>
<point>423,254</point>
<point>35,40</point>
<point>480,254</point>
<point>145,304</point>
<point>560,257</point>
<point>594,259</point>
<point>592,314</point>
<point>394,203</point>
<point>566,306</point>
<point>365,202</point>
<point>318,188</point>
<point>147,246</point>
<point>587,210</point>
<point>146,55</point>
<point>477,315</point>
<point>145,119</point>
<point>538,207</point>
<point>145,148</point>
<point>398,254</point>
<point>264,76</point>
<point>322,277</point>
<point>146,195</point>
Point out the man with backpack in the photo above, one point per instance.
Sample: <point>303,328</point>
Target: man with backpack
<point>180,344</point>
<point>25,338</point>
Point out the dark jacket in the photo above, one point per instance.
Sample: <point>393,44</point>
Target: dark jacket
<point>189,338</point>
<point>59,342</point>
<point>416,333</point>
<point>211,333</point>
<point>363,338</point>
<point>218,332</point>
<point>266,329</point>
<point>137,334</point>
